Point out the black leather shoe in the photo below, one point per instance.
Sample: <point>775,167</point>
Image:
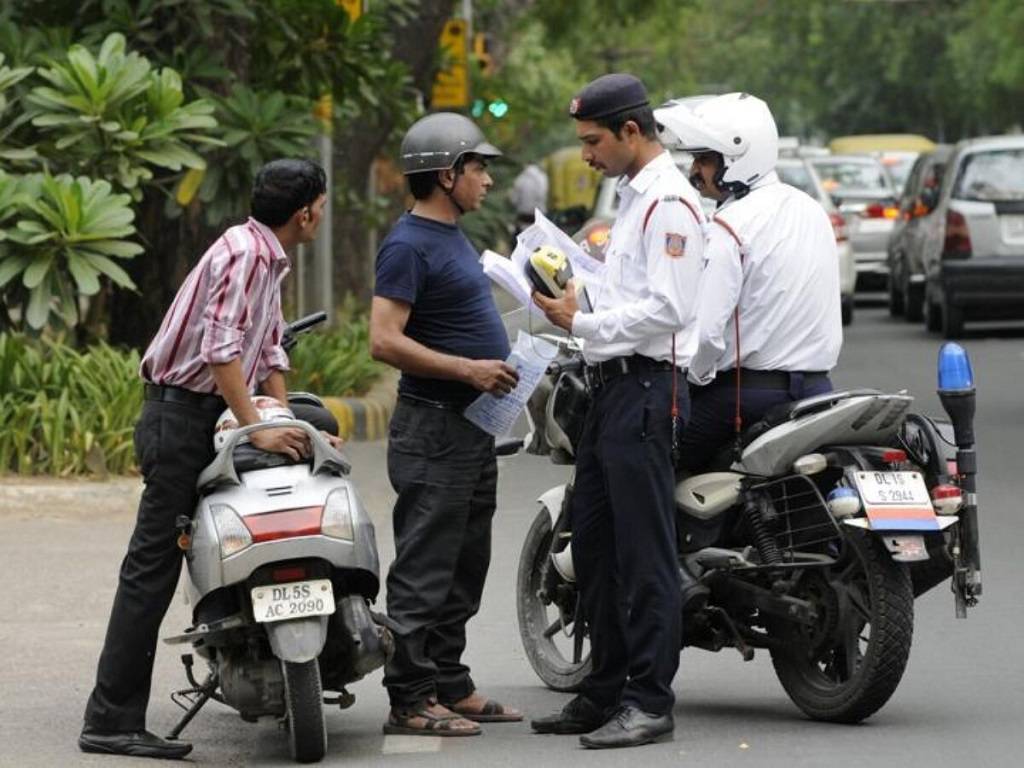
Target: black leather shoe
<point>135,743</point>
<point>580,715</point>
<point>630,727</point>
<point>694,594</point>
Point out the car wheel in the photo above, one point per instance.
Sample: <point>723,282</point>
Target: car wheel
<point>895,294</point>
<point>932,314</point>
<point>913,301</point>
<point>952,321</point>
<point>846,307</point>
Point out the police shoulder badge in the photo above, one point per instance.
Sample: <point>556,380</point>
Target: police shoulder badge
<point>675,245</point>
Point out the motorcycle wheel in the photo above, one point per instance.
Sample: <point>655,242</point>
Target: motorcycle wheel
<point>847,666</point>
<point>554,639</point>
<point>307,733</point>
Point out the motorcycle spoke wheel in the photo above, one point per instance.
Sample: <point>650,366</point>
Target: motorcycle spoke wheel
<point>850,663</point>
<point>554,637</point>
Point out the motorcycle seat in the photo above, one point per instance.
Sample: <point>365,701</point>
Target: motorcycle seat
<point>787,411</point>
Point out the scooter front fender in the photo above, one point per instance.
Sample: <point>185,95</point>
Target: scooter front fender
<point>552,500</point>
<point>298,640</point>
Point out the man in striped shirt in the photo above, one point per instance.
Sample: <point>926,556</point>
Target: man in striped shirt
<point>218,343</point>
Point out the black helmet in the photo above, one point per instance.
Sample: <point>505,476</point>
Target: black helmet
<point>437,141</point>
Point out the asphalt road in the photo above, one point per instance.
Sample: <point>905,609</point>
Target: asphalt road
<point>960,701</point>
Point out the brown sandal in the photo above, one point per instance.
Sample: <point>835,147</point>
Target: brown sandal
<point>434,725</point>
<point>490,712</point>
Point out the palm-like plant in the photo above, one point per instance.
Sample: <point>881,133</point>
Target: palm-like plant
<point>113,116</point>
<point>69,233</point>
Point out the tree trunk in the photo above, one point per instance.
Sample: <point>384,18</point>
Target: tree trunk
<point>356,147</point>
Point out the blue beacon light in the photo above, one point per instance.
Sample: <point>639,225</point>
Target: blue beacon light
<point>954,369</point>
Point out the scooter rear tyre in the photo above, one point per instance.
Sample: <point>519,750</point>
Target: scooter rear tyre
<point>307,732</point>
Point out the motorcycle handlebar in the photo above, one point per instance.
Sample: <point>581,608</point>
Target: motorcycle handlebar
<point>568,366</point>
<point>301,325</point>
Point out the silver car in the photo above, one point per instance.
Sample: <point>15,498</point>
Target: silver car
<point>866,196</point>
<point>973,257</point>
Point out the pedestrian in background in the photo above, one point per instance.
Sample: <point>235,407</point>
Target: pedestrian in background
<point>639,339</point>
<point>219,342</point>
<point>433,317</point>
<point>769,310</point>
<point>529,194</point>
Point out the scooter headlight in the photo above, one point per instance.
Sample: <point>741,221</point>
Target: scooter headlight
<point>231,531</point>
<point>337,518</point>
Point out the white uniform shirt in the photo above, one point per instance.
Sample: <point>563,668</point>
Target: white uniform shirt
<point>786,286</point>
<point>649,289</point>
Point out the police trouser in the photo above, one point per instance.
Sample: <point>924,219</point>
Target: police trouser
<point>624,541</point>
<point>445,473</point>
<point>712,426</point>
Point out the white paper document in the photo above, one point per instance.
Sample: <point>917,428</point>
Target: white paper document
<point>530,357</point>
<point>510,273</point>
<point>507,274</point>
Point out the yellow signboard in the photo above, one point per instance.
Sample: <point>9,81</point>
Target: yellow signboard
<point>451,86</point>
<point>354,8</point>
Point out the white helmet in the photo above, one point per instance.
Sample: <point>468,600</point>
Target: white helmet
<point>738,126</point>
<point>268,408</point>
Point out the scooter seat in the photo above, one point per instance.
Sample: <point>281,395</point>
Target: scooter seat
<point>249,458</point>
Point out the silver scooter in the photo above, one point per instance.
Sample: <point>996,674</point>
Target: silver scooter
<point>282,569</point>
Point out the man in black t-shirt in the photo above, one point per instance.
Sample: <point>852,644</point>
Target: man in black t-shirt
<point>434,318</point>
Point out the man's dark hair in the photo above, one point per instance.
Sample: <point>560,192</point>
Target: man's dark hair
<point>422,184</point>
<point>283,187</point>
<point>642,116</point>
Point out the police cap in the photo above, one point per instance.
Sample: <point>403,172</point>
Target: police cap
<point>608,95</point>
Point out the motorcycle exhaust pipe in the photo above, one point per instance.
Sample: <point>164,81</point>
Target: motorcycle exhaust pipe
<point>563,563</point>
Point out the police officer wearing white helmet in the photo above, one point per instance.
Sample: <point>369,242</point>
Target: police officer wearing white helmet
<point>769,308</point>
<point>638,341</point>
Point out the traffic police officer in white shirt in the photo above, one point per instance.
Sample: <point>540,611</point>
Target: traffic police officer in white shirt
<point>769,308</point>
<point>638,342</point>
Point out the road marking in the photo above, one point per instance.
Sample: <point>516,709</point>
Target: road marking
<point>408,745</point>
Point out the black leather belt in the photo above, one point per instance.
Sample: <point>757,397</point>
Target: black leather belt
<point>751,379</point>
<point>166,394</point>
<point>425,402</point>
<point>599,374</point>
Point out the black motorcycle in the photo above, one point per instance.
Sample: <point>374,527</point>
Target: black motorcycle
<point>812,541</point>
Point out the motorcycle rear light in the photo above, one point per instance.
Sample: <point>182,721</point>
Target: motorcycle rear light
<point>231,531</point>
<point>894,456</point>
<point>946,499</point>
<point>285,524</point>
<point>957,244</point>
<point>291,573</point>
<point>844,501</point>
<point>337,519</point>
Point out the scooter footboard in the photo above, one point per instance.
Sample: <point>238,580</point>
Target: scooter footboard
<point>298,640</point>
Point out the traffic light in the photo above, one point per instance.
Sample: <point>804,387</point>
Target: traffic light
<point>496,108</point>
<point>482,53</point>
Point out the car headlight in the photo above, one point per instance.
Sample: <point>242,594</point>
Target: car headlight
<point>231,531</point>
<point>337,518</point>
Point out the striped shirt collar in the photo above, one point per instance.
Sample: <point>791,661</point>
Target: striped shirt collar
<point>277,253</point>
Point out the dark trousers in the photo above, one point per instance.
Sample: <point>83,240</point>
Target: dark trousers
<point>624,541</point>
<point>712,425</point>
<point>445,473</point>
<point>173,444</point>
